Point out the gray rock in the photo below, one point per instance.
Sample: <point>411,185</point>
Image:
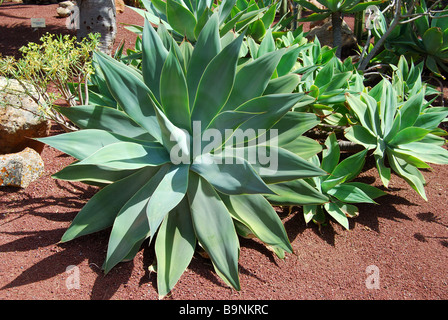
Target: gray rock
<point>20,119</point>
<point>63,12</point>
<point>20,169</point>
<point>66,4</point>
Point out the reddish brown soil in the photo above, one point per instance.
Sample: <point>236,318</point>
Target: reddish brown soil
<point>403,236</point>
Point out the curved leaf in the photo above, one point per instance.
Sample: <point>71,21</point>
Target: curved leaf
<point>351,166</point>
<point>100,211</point>
<point>127,155</point>
<point>174,92</point>
<point>181,19</point>
<point>407,135</point>
<point>167,195</point>
<point>276,165</point>
<point>131,93</point>
<point>297,192</point>
<point>175,245</point>
<point>252,79</point>
<point>91,174</point>
<point>229,174</point>
<point>214,229</point>
<point>337,214</point>
<point>410,174</point>
<point>206,48</point>
<point>107,119</point>
<point>154,56</point>
<point>330,155</point>
<point>284,84</point>
<point>433,40</point>
<point>257,214</point>
<point>362,136</point>
<point>216,84</point>
<point>131,224</point>
<point>350,193</point>
<point>82,143</point>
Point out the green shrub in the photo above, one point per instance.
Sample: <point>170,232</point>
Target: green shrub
<point>402,134</point>
<point>143,153</point>
<point>59,61</point>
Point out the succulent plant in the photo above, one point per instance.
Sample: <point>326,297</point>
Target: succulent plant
<point>403,134</point>
<point>159,183</point>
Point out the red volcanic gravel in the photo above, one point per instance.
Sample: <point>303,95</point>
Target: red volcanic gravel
<point>402,241</point>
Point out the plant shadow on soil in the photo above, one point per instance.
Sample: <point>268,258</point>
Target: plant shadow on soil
<point>93,247</point>
<point>430,217</point>
<point>21,35</point>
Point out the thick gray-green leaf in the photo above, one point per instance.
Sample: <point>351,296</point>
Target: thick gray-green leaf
<point>127,155</point>
<point>131,93</point>
<point>174,92</point>
<point>229,174</point>
<point>252,79</point>
<point>131,224</point>
<point>295,193</point>
<point>274,164</point>
<point>175,245</point>
<point>214,229</point>
<point>154,56</point>
<point>91,174</point>
<point>181,19</point>
<point>105,118</point>
<point>207,47</point>
<point>257,214</point>
<point>168,194</point>
<point>100,211</point>
<point>216,84</point>
<point>82,143</point>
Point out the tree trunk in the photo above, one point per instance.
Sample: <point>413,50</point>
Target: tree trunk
<point>98,16</point>
<point>336,21</point>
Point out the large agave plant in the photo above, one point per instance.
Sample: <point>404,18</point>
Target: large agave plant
<point>158,184</point>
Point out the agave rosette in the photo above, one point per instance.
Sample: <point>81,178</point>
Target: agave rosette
<point>403,135</point>
<point>157,184</point>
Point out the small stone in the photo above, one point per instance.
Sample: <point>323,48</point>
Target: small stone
<point>66,4</point>
<point>63,12</point>
<point>21,168</point>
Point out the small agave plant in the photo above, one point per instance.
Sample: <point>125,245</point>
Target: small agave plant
<point>404,136</point>
<point>157,182</point>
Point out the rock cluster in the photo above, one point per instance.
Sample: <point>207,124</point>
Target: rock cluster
<point>20,122</point>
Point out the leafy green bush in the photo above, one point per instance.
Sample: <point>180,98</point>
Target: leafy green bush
<point>157,184</point>
<point>335,9</point>
<point>402,134</point>
<point>412,29</point>
<point>186,19</point>
<point>59,61</point>
<point>342,193</point>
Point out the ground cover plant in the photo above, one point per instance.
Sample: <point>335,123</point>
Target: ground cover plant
<point>136,124</point>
